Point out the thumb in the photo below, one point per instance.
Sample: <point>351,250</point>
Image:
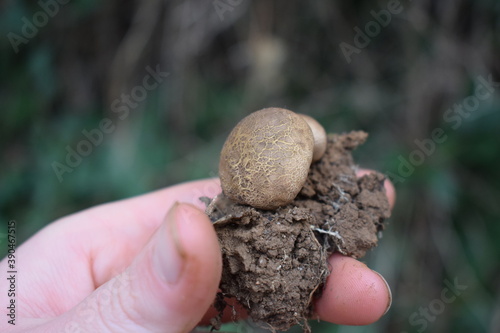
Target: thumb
<point>168,287</point>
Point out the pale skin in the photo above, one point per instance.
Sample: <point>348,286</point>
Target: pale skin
<point>129,266</point>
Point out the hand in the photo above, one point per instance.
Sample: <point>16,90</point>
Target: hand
<point>126,267</point>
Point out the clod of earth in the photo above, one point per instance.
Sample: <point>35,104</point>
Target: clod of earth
<point>275,260</point>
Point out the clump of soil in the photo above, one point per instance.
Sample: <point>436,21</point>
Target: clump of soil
<point>275,262</point>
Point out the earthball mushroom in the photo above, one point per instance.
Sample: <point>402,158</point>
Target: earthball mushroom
<point>265,160</point>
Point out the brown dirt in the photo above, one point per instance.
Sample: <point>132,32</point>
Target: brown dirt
<point>275,262</point>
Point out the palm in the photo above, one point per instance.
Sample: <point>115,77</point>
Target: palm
<point>73,257</point>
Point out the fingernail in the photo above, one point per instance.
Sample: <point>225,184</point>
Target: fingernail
<point>169,255</point>
<point>389,291</point>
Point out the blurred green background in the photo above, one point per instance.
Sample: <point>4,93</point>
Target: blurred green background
<point>401,80</point>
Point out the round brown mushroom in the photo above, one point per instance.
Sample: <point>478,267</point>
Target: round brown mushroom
<point>266,158</point>
<point>319,135</point>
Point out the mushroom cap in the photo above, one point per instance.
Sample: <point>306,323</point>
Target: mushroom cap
<point>319,135</point>
<point>265,160</point>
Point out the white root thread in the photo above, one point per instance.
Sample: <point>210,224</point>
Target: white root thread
<point>343,197</point>
<point>329,232</point>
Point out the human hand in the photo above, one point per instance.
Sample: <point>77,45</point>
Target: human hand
<point>126,267</point>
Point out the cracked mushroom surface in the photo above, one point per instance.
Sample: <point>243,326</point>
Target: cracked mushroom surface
<point>265,160</point>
